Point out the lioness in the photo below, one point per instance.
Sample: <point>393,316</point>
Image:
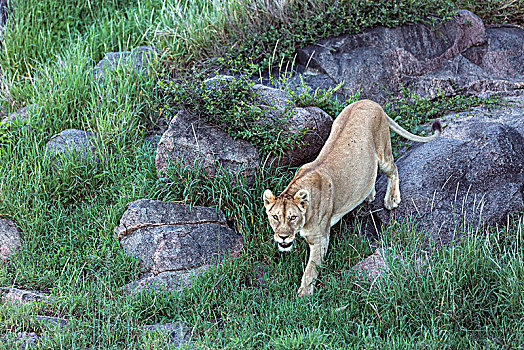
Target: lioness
<point>340,178</point>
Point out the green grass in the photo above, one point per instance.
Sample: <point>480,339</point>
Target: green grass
<point>463,296</point>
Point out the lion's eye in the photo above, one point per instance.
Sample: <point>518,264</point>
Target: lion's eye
<point>293,217</point>
<point>275,217</point>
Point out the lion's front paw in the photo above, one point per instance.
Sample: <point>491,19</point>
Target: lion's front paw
<point>391,202</point>
<point>303,292</point>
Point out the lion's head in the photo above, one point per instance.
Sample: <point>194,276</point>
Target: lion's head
<point>287,216</point>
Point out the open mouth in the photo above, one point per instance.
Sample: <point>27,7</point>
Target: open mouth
<point>285,245</point>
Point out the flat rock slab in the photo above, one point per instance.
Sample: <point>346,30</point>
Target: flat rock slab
<point>21,296</point>
<point>71,141</point>
<point>10,239</point>
<point>174,241</point>
<point>473,175</point>
<point>140,59</point>
<point>195,143</point>
<point>166,280</point>
<point>52,321</point>
<point>459,56</point>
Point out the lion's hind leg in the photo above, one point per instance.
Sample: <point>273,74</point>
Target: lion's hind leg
<point>388,167</point>
<point>386,164</point>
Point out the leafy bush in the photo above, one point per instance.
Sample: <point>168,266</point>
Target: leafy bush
<point>323,99</point>
<point>234,107</point>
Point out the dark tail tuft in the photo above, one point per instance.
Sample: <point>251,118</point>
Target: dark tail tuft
<point>436,126</point>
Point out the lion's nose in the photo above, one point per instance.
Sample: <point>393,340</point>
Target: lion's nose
<point>283,237</point>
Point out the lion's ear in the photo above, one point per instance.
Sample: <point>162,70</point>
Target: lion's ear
<point>302,199</point>
<point>269,198</point>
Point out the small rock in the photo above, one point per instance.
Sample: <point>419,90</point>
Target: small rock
<point>139,58</point>
<point>372,267</point>
<point>55,321</point>
<point>195,143</point>
<point>177,333</point>
<point>75,141</point>
<point>174,242</point>
<point>167,280</point>
<point>21,296</point>
<point>28,339</point>
<point>21,115</point>
<point>10,239</point>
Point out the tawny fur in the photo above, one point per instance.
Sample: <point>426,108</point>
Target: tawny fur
<point>339,179</point>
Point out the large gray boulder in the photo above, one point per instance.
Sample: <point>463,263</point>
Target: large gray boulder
<point>459,56</point>
<point>195,143</point>
<point>473,175</point>
<point>312,123</point>
<point>72,141</point>
<point>174,242</point>
<point>10,239</point>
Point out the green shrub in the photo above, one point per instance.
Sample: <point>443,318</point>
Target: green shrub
<point>326,100</point>
<point>234,107</point>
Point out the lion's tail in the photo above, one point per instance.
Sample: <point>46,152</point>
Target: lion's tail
<point>436,127</point>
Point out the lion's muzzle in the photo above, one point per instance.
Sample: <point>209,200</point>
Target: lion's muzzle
<point>285,243</point>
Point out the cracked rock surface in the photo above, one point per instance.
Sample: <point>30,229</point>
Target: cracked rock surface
<point>22,296</point>
<point>458,56</point>
<point>174,242</point>
<point>196,143</point>
<point>471,176</point>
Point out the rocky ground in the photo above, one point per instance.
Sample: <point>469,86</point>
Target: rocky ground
<point>472,176</point>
